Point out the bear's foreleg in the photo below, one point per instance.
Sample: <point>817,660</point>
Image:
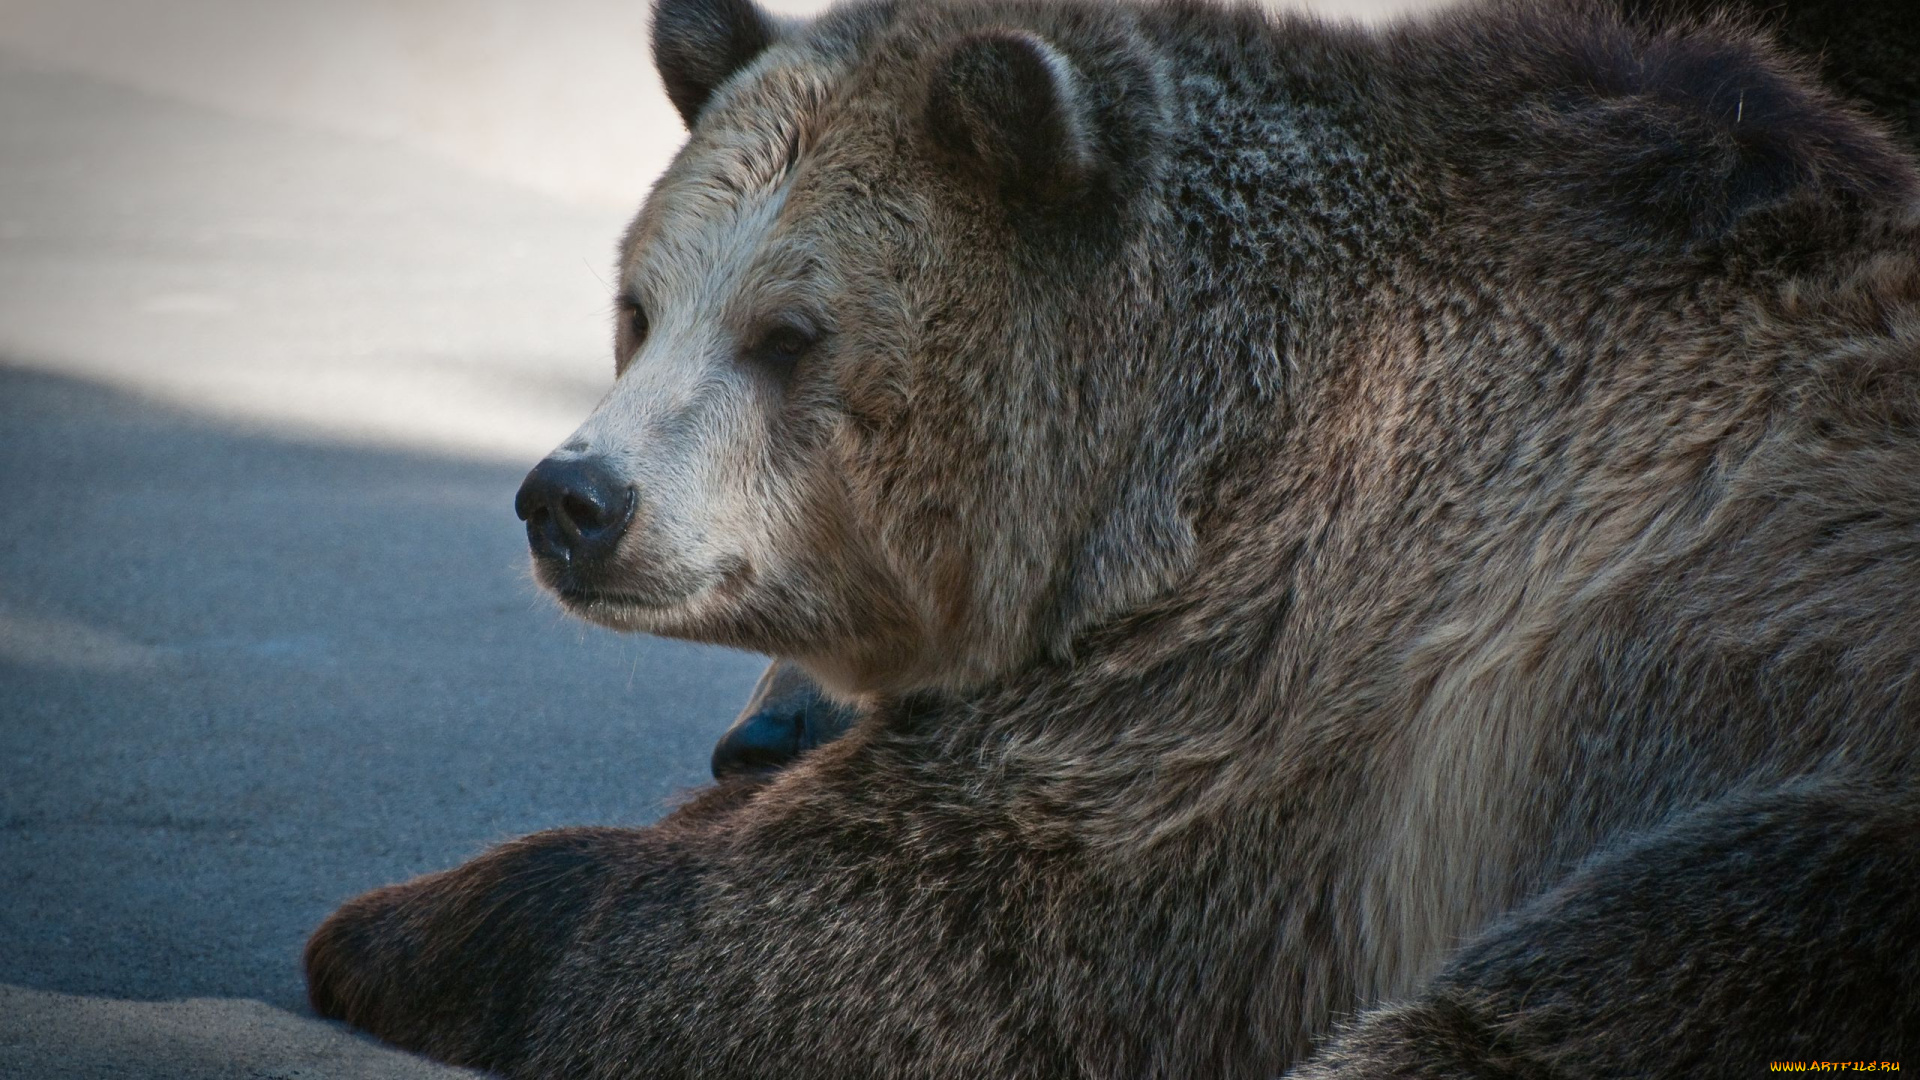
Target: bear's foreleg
<point>460,965</point>
<point>840,922</point>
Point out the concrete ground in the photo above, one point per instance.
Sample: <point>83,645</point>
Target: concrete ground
<point>266,634</point>
<point>291,296</point>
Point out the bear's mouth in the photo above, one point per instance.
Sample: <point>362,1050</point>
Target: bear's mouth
<point>590,603</point>
<point>686,607</point>
<point>583,586</point>
<point>651,611</point>
<point>586,598</point>
<point>623,611</point>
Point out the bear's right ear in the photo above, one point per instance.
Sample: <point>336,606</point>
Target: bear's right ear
<point>1007,106</point>
<point>699,44</point>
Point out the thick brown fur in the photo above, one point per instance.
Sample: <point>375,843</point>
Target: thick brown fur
<point>1868,50</point>
<point>1384,517</point>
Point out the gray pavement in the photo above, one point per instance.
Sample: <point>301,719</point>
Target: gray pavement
<point>266,634</point>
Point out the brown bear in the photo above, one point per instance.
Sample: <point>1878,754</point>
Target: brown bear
<point>1413,533</point>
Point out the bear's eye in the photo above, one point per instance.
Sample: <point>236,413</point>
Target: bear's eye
<point>633,321</point>
<point>782,347</point>
<point>629,333</point>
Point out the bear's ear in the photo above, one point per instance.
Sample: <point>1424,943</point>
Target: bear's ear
<point>1009,108</point>
<point>699,44</point>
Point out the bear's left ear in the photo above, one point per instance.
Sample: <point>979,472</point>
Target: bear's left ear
<point>1008,107</point>
<point>699,44</point>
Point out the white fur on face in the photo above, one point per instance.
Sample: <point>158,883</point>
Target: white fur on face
<point>687,423</point>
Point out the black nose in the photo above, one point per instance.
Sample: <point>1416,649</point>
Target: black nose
<point>575,508</point>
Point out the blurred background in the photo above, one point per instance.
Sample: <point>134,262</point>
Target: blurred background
<point>291,296</point>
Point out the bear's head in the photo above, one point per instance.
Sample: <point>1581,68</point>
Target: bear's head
<point>882,403</point>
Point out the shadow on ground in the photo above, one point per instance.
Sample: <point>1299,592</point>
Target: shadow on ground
<point>243,678</point>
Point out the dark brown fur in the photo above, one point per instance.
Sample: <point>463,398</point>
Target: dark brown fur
<point>1382,492</point>
<point>1865,49</point>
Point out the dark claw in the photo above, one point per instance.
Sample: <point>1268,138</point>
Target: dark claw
<point>786,717</point>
